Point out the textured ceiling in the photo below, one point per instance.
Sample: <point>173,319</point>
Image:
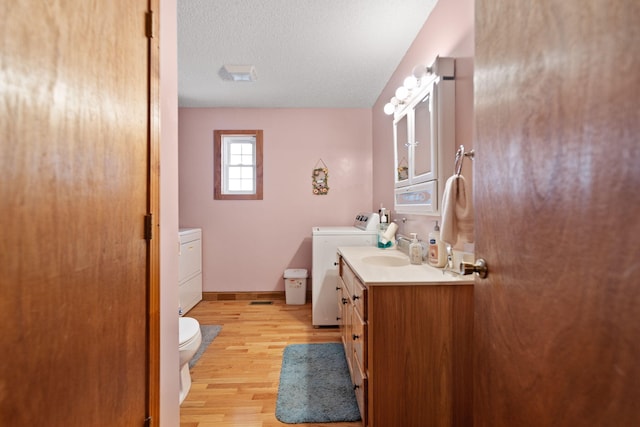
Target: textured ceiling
<point>307,53</point>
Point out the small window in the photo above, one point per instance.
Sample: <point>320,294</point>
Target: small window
<point>238,164</point>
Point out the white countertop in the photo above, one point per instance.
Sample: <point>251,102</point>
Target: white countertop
<point>377,274</point>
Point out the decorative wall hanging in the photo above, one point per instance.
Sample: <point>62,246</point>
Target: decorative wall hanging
<point>320,178</point>
<point>403,169</point>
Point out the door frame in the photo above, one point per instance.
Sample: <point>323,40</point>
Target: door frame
<point>153,209</point>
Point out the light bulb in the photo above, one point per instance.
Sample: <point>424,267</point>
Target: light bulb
<point>411,82</point>
<point>394,101</point>
<point>418,71</point>
<point>402,93</point>
<point>389,108</point>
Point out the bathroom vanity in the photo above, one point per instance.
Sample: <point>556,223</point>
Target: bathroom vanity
<point>407,334</point>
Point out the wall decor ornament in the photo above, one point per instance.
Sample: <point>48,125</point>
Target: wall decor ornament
<point>403,169</point>
<point>319,179</point>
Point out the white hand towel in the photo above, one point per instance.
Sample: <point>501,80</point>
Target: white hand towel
<point>457,212</point>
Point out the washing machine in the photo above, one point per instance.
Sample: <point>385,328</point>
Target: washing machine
<point>324,271</point>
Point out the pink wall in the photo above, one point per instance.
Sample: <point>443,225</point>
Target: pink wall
<point>449,31</point>
<point>169,360</point>
<point>247,245</point>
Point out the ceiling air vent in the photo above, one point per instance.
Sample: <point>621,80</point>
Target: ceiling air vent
<point>238,73</point>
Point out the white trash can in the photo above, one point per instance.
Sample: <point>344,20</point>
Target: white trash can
<point>295,286</point>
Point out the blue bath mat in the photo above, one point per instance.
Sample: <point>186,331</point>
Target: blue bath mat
<point>315,386</point>
<point>209,332</point>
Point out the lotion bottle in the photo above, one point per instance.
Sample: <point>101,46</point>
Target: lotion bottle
<point>382,242</point>
<point>437,251</point>
<point>415,250</point>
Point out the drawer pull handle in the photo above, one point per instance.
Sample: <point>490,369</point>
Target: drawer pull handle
<point>338,288</point>
<point>355,297</point>
<point>355,337</point>
<point>345,300</point>
<point>356,386</point>
<point>338,318</point>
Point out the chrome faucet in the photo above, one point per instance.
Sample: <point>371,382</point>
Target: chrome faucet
<point>450,265</point>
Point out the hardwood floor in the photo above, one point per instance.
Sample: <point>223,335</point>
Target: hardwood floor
<point>235,382</point>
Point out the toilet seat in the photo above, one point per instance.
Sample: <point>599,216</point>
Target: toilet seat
<point>189,329</point>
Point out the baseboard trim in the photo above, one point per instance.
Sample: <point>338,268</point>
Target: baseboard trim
<point>247,296</point>
<point>242,296</point>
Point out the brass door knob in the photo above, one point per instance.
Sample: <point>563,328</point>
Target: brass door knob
<point>479,268</point>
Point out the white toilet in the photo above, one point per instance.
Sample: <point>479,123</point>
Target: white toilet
<point>190,338</point>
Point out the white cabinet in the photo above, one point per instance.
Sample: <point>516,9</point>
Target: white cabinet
<point>190,268</point>
<point>424,141</point>
<point>416,139</point>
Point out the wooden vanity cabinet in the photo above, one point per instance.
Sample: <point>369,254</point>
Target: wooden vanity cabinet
<point>344,318</point>
<point>354,332</point>
<point>409,351</point>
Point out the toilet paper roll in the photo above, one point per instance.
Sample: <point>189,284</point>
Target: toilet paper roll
<point>390,233</point>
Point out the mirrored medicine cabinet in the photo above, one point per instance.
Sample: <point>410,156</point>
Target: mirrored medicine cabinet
<point>424,141</point>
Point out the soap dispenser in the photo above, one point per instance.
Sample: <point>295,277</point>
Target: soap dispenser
<point>437,251</point>
<point>415,250</point>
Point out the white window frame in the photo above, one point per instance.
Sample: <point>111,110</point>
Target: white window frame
<point>225,161</point>
<point>241,164</point>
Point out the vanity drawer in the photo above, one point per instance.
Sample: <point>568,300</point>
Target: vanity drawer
<point>347,333</point>
<point>359,337</point>
<point>360,388</point>
<point>359,297</point>
<point>339,301</point>
<point>347,276</point>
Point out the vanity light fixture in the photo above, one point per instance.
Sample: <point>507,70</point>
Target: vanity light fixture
<point>411,83</point>
<point>238,73</point>
<point>443,67</point>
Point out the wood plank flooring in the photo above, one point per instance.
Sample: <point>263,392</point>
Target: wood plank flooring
<point>235,382</point>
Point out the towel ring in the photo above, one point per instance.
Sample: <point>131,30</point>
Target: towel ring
<point>460,155</point>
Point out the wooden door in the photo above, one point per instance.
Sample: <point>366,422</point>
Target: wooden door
<point>74,115</point>
<point>557,192</point>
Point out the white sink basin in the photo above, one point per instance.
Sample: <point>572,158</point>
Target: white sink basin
<point>386,261</point>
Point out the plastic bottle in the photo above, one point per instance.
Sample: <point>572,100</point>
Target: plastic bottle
<point>382,212</point>
<point>437,251</point>
<point>382,228</point>
<point>415,250</point>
